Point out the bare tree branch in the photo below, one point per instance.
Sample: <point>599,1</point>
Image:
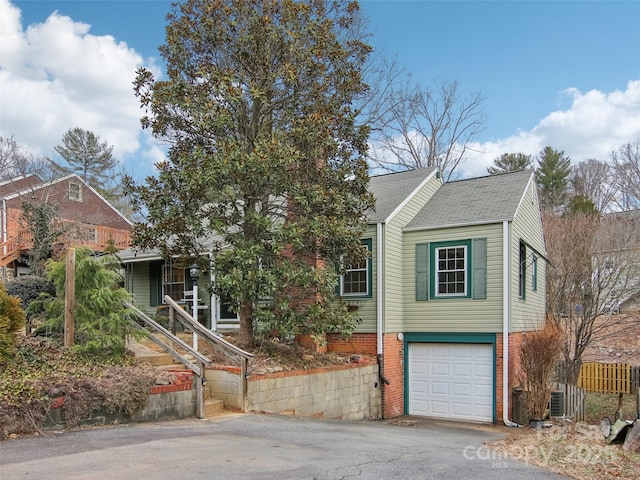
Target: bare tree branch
<point>626,163</point>
<point>593,179</point>
<point>426,127</point>
<point>594,268</point>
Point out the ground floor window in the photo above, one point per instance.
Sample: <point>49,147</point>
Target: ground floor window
<point>172,282</point>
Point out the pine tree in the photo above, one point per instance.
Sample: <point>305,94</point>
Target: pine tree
<point>101,321</point>
<point>510,162</point>
<point>552,177</point>
<point>89,158</point>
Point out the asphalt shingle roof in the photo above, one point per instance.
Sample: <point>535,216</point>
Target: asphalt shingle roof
<point>493,198</point>
<point>392,189</point>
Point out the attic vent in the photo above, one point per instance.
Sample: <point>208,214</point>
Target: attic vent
<point>75,192</point>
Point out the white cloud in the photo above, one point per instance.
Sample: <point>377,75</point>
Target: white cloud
<point>56,75</point>
<point>595,124</point>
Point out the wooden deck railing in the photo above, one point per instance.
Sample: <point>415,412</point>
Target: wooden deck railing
<point>95,237</point>
<point>10,250</point>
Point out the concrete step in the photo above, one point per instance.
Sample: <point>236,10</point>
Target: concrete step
<point>144,354</point>
<point>156,359</point>
<point>213,407</point>
<point>207,393</point>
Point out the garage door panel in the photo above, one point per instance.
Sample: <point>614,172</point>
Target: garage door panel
<point>462,369</point>
<point>438,351</point>
<point>439,368</point>
<point>451,380</point>
<point>483,371</point>
<point>439,409</point>
<point>460,410</point>
<point>459,352</point>
<point>463,389</point>
<point>484,391</point>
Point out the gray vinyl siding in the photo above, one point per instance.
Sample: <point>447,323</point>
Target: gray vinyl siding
<point>527,313</point>
<point>366,307</point>
<point>139,286</point>
<point>395,261</point>
<point>454,314</point>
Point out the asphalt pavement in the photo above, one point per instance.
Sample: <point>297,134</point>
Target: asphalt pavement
<point>257,447</point>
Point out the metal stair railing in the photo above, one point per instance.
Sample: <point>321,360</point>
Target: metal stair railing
<point>198,369</point>
<point>228,349</point>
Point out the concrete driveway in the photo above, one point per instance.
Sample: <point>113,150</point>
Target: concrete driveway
<point>248,447</point>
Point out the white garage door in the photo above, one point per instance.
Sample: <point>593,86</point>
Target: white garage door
<point>451,380</point>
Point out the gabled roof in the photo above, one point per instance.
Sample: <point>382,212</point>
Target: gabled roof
<point>18,184</point>
<point>32,184</point>
<point>476,201</point>
<point>392,189</point>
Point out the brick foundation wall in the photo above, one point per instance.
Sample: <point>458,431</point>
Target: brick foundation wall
<point>515,343</point>
<point>393,394</point>
<point>357,343</point>
<point>308,342</point>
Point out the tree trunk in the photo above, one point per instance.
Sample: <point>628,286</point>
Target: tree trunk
<point>570,371</point>
<point>246,324</point>
<point>632,440</point>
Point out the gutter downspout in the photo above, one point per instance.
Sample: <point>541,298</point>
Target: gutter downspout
<point>379,306</point>
<point>506,309</point>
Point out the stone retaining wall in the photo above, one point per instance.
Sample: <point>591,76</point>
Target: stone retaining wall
<point>350,392</point>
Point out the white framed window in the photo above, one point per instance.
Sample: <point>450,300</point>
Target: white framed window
<point>451,271</point>
<point>356,280</point>
<point>172,282</point>
<point>75,191</point>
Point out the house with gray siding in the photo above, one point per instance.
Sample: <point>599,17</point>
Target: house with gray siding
<point>457,276</point>
<point>455,279</point>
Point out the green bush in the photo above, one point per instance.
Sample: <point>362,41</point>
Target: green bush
<point>12,320</point>
<point>28,288</point>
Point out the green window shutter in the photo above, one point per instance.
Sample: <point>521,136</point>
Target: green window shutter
<point>155,285</point>
<point>422,271</point>
<point>479,256</point>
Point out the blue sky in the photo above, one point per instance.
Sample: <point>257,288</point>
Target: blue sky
<point>565,74</point>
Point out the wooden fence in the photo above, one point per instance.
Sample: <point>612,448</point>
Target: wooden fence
<point>609,377</point>
<point>571,400</point>
<point>566,401</point>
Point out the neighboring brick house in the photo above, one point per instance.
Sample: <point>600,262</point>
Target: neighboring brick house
<point>86,218</point>
<point>455,278</point>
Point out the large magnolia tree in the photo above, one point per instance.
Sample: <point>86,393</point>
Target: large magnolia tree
<point>594,267</point>
<point>266,164</point>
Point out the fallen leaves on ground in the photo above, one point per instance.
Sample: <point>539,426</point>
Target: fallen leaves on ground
<point>578,451</point>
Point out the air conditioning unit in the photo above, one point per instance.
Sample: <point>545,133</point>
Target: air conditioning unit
<point>556,407</point>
